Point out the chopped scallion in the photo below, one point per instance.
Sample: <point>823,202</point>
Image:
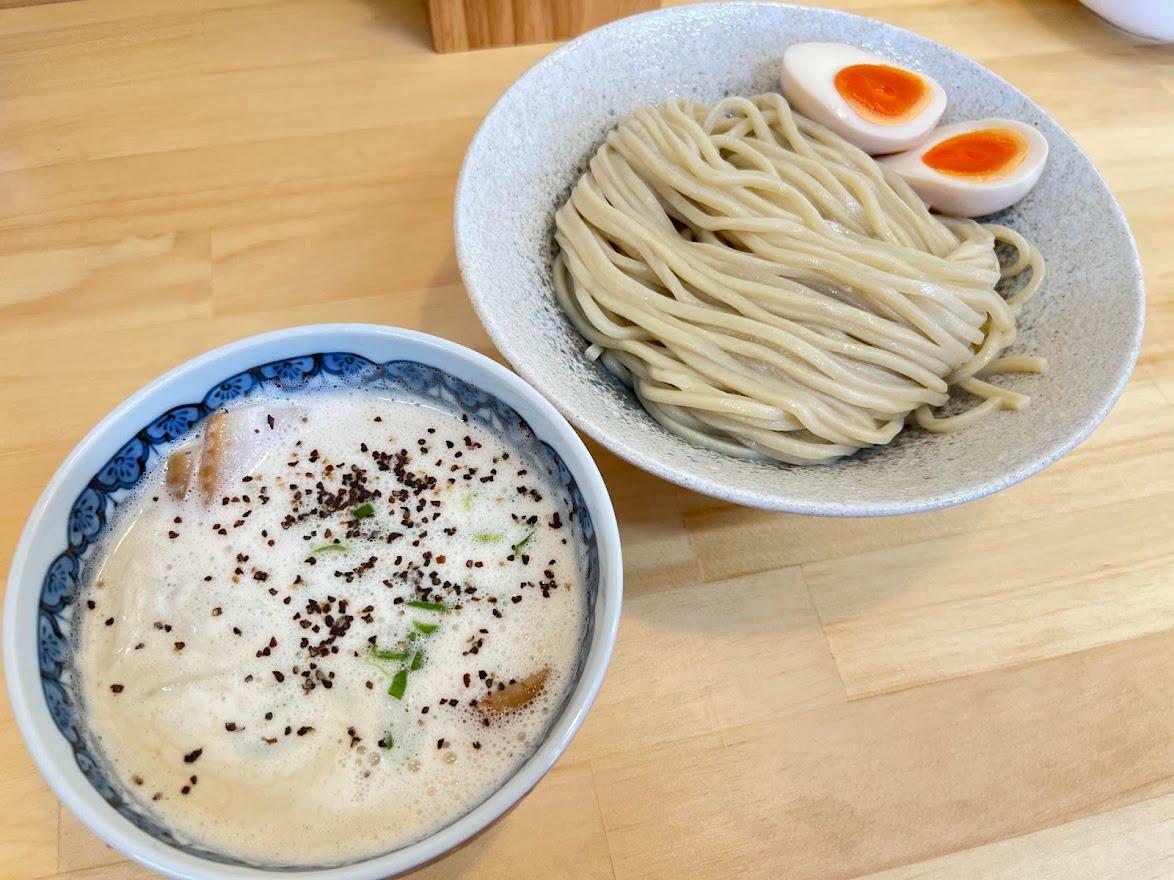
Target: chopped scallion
<point>398,685</point>
<point>488,537</point>
<point>425,628</point>
<point>384,654</point>
<point>363,511</point>
<point>427,606</point>
<point>330,548</point>
<point>417,661</point>
<point>517,548</point>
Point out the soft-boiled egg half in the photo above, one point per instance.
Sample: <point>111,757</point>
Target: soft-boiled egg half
<point>969,169</point>
<point>867,100</point>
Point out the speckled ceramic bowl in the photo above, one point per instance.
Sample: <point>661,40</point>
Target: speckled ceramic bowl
<point>535,142</point>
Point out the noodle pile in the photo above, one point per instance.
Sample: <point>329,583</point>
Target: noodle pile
<point>769,292</point>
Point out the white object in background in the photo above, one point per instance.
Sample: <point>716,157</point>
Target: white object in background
<point>1152,19</point>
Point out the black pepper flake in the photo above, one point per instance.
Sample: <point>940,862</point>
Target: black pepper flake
<point>110,621</point>
<point>302,731</point>
<point>179,646</point>
<point>91,604</point>
<point>117,688</point>
<point>193,756</point>
<point>137,780</point>
<point>185,789</point>
<point>278,675</point>
<point>217,611</point>
<point>231,727</point>
<point>172,534</point>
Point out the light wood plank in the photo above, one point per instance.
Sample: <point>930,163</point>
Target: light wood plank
<point>1131,843</point>
<point>979,601</point>
<point>879,783</point>
<point>747,649</point>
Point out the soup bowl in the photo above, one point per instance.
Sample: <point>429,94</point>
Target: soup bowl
<point>70,518</point>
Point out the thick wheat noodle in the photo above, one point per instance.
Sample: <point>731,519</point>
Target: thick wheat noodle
<point>770,292</point>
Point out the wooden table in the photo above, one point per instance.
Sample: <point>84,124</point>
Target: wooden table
<point>980,692</point>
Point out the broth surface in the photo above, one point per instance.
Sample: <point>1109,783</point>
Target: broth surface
<point>249,661</point>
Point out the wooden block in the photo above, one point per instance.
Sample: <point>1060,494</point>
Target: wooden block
<point>458,25</point>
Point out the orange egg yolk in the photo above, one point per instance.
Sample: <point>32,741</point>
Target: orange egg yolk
<point>883,94</point>
<point>986,153</point>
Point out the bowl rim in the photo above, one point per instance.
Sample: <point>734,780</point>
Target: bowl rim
<point>681,475</point>
<point>22,672</point>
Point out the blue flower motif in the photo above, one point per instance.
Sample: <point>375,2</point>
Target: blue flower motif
<point>467,396</point>
<point>93,772</point>
<point>174,423</point>
<point>507,416</point>
<point>61,709</point>
<point>86,518</point>
<point>52,649</point>
<point>125,467</point>
<point>345,364</point>
<point>294,371</point>
<point>230,389</point>
<point>60,583</point>
<point>416,377</point>
<point>560,467</point>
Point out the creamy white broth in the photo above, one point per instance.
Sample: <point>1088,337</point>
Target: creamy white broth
<point>236,674</point>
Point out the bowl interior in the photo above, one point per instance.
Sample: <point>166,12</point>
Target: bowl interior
<point>535,143</point>
<point>75,521</point>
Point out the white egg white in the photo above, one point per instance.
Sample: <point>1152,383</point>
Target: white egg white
<point>808,72</point>
<point>971,196</point>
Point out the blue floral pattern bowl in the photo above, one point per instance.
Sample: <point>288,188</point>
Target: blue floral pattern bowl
<point>40,607</point>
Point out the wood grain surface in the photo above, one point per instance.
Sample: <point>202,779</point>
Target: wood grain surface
<point>978,692</point>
